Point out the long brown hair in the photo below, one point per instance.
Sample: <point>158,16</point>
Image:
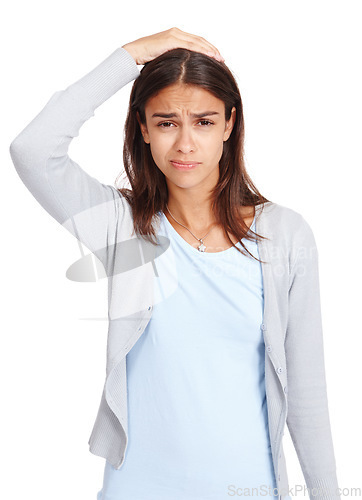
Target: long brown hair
<point>149,193</point>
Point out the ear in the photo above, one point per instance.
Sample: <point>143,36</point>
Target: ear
<point>230,124</point>
<point>143,128</point>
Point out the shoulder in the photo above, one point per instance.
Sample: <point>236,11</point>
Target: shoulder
<point>284,225</point>
<point>275,211</point>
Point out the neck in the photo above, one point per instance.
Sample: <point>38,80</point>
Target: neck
<point>193,212</point>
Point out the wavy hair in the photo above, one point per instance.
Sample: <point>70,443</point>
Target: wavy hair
<point>149,193</point>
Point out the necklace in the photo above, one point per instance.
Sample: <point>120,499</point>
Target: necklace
<point>201,247</point>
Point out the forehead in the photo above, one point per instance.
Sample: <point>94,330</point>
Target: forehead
<point>183,97</point>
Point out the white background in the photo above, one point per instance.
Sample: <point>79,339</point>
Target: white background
<point>298,66</point>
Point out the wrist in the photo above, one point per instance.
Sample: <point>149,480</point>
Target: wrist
<point>131,50</point>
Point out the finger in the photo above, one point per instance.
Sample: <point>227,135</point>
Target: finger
<point>205,44</point>
<point>210,45</point>
<point>202,41</point>
<point>199,44</point>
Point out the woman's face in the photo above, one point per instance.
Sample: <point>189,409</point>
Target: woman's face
<point>179,135</point>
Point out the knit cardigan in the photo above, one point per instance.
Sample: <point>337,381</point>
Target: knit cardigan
<point>101,218</point>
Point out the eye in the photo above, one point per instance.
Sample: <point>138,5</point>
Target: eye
<point>205,122</point>
<point>164,123</point>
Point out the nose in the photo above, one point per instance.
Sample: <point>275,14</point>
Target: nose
<point>184,140</point>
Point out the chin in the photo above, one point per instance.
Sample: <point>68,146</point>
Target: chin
<point>181,183</point>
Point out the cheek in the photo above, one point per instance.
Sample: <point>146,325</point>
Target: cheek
<point>160,151</point>
<point>215,137</point>
<point>216,144</point>
<point>160,144</point>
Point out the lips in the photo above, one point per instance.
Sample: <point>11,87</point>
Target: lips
<point>184,165</point>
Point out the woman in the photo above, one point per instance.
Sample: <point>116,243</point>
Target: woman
<point>215,337</point>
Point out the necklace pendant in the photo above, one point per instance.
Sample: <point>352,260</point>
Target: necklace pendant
<point>201,248</point>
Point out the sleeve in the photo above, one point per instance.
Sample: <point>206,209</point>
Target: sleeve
<point>308,415</point>
<point>78,201</point>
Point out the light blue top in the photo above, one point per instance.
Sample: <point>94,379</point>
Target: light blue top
<point>198,372</point>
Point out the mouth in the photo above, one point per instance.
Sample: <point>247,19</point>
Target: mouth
<point>184,165</point>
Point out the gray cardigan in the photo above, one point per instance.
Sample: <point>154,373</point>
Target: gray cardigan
<point>98,216</point>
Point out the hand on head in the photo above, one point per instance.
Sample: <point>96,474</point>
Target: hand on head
<point>149,47</point>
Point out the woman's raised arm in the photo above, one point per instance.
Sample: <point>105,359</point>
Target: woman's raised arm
<point>78,201</point>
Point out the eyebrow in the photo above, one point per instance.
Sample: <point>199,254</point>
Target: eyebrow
<point>193,115</point>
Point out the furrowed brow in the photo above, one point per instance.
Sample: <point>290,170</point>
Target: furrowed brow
<point>193,115</point>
